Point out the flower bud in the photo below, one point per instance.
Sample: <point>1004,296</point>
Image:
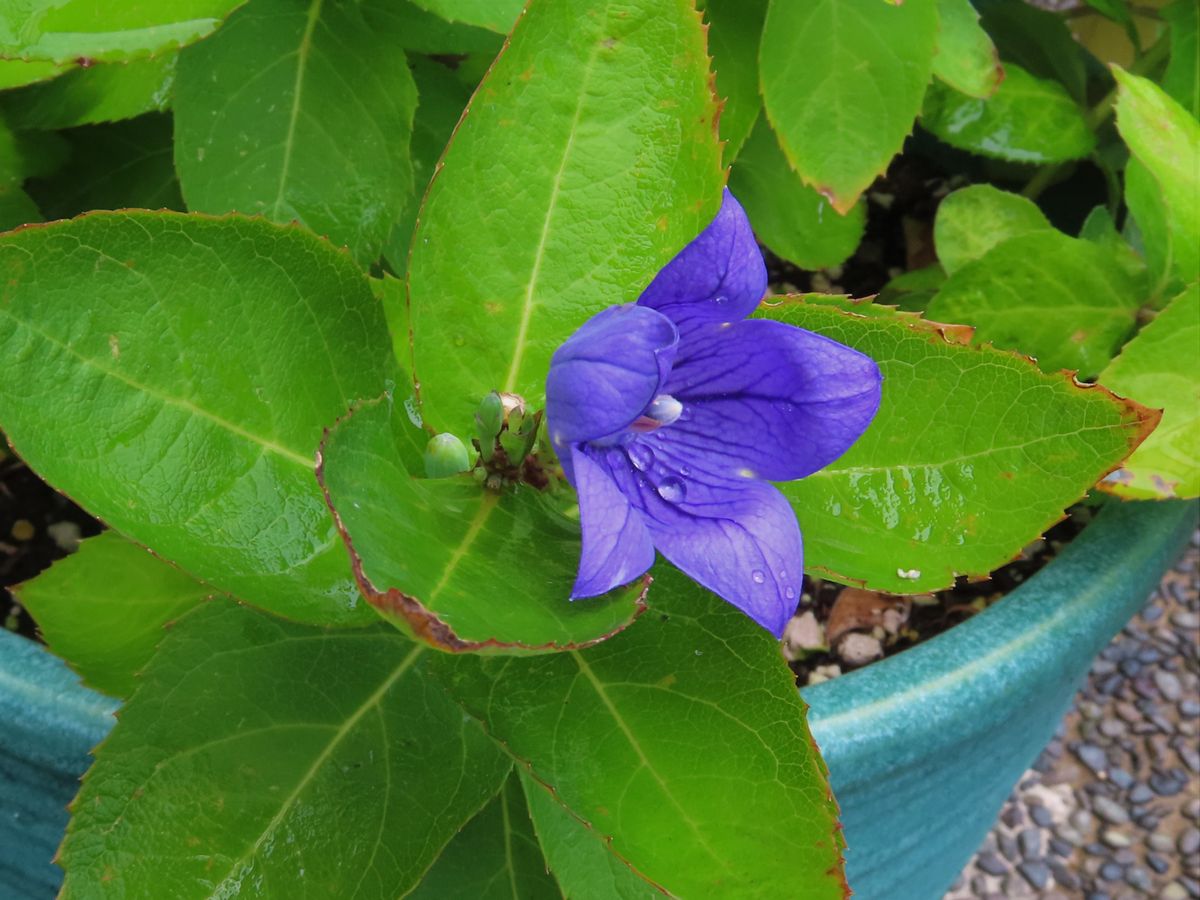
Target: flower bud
<point>445,455</point>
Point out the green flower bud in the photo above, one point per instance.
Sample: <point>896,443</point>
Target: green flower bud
<point>445,455</point>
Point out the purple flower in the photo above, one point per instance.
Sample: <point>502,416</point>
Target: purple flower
<point>671,415</point>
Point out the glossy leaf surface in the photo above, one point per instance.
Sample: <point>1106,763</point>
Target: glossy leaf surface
<point>496,15</point>
<point>299,111</point>
<point>734,30</point>
<point>842,81</point>
<point>1164,140</point>
<point>1027,120</point>
<point>278,760</point>
<point>787,215</point>
<point>974,219</point>
<point>1158,368</point>
<point>103,609</point>
<point>86,96</point>
<point>587,160</point>
<point>182,397</point>
<point>929,492</point>
<point>495,857</point>
<point>455,564</point>
<point>63,31</point>
<point>966,59</point>
<point>1065,301</point>
<point>681,743</point>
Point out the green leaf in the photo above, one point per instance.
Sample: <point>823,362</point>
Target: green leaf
<point>100,93</point>
<point>424,32</point>
<point>1182,77</point>
<point>1063,300</point>
<point>973,220</point>
<point>1027,120</point>
<point>587,160</point>
<point>16,73</point>
<point>681,742</point>
<point>182,396</point>
<point>1158,368</point>
<point>1037,40</point>
<point>431,554</point>
<point>61,31</point>
<point>1163,178</point>
<point>496,15</point>
<point>299,111</point>
<point>842,81</point>
<point>1101,230</point>
<point>972,455</point>
<point>913,290</point>
<point>790,217</point>
<point>578,856</point>
<point>734,30</point>
<point>119,166</point>
<point>495,857</point>
<point>16,207</point>
<point>966,58</point>
<point>103,608</point>
<point>272,759</point>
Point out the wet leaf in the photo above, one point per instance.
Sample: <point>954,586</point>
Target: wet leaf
<point>435,555</point>
<point>966,59</point>
<point>1158,368</point>
<point>791,218</point>
<point>842,81</point>
<point>103,609</point>
<point>930,491</point>
<point>734,30</point>
<point>974,219</point>
<point>1027,120</point>
<point>273,759</point>
<point>681,743</point>
<point>299,112</point>
<point>182,397</point>
<point>587,161</point>
<point>1065,301</point>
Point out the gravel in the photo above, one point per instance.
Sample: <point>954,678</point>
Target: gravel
<point>1111,810</point>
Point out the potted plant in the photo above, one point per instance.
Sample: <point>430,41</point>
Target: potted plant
<point>325,421</point>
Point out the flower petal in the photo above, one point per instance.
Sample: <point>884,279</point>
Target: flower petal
<point>607,372</point>
<point>616,545</point>
<point>738,538</point>
<point>719,277</point>
<point>770,398</point>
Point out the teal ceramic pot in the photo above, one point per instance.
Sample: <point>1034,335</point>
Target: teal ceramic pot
<point>922,748</point>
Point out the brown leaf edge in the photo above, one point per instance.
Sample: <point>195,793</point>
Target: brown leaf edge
<point>419,619</point>
<point>1143,419</point>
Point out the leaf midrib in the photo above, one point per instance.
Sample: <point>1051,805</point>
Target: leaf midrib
<point>289,141</point>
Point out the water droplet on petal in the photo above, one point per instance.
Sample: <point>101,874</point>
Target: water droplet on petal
<point>790,593</point>
<point>640,455</point>
<point>685,471</point>
<point>671,490</point>
<point>720,299</point>
<point>758,576</point>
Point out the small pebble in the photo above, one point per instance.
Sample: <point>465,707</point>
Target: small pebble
<point>1136,876</point>
<point>1081,819</point>
<point>1111,871</point>
<point>1036,872</point>
<point>1120,778</point>
<point>1128,711</point>
<point>1110,810</point>
<point>1115,838</point>
<point>1189,842</point>
<point>1097,849</point>
<point>1030,843</point>
<point>1130,667</point>
<point>1159,842</point>
<point>991,863</point>
<point>1012,816</point>
<point>1098,895</point>
<point>1063,875</point>
<point>1173,891</point>
<point>1041,816</point>
<point>1185,618</point>
<point>1168,684</point>
<point>1093,757</point>
<point>1157,863</point>
<point>1008,846</point>
<point>1069,834</point>
<point>1189,708</point>
<point>1165,785</point>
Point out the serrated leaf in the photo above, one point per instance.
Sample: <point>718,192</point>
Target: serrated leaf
<point>842,81</point>
<point>584,866</point>
<point>87,96</point>
<point>586,161</point>
<point>913,290</point>
<point>1182,78</point>
<point>182,396</point>
<point>425,32</point>
<point>15,73</point>
<point>1037,40</point>
<point>966,58</point>
<point>681,743</point>
<point>973,453</point>
<point>431,554</point>
<point>119,166</point>
<point>1158,368</point>
<point>299,111</point>
<point>278,760</point>
<point>1065,301</point>
<point>791,218</point>
<point>103,608</point>
<point>496,15</point>
<point>63,31</point>
<point>734,30</point>
<point>1162,187</point>
<point>495,857</point>
<point>972,220</point>
<point>1027,120</point>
